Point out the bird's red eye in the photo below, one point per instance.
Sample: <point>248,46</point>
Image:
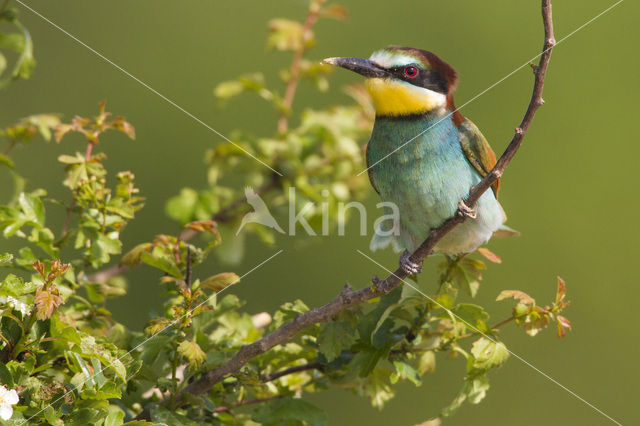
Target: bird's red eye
<point>410,72</point>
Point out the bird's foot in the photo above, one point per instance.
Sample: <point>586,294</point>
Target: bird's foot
<point>409,267</point>
<point>465,210</point>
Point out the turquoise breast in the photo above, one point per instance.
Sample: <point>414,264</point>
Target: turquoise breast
<point>426,178</point>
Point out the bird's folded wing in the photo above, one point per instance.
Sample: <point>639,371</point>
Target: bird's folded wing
<point>477,150</point>
<point>369,171</point>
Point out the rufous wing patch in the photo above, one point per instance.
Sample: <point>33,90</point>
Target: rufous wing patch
<point>477,150</point>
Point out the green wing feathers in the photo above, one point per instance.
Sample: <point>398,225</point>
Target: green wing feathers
<point>477,150</point>
<point>369,172</point>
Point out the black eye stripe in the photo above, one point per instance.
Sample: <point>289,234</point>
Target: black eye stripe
<point>425,78</point>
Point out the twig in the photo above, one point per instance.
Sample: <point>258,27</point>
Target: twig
<point>348,297</point>
<point>248,402</point>
<point>493,327</point>
<point>294,69</point>
<point>503,322</point>
<point>297,369</point>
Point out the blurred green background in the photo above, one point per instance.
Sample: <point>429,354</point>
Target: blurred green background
<point>570,190</point>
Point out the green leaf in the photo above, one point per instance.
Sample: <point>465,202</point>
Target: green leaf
<point>518,295</point>
<point>467,274</point>
<point>5,376</point>
<point>132,257</point>
<point>163,262</point>
<point>426,362</point>
<point>287,312</point>
<point>3,158</point>
<point>405,371</point>
<point>82,416</point>
<point>228,89</point>
<point>160,414</point>
<point>369,322</point>
<point>447,295</point>
<point>114,418</point>
<point>474,390</point>
<point>6,259</point>
<point>285,34</point>
<point>488,354</point>
<point>23,44</point>
<point>334,337</point>
<point>366,360</point>
<point>15,286</point>
<point>192,352</point>
<point>290,412</point>
<point>32,208</point>
<point>473,315</point>
<point>109,390</point>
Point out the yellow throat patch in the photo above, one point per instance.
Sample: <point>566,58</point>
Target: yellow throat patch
<point>392,97</point>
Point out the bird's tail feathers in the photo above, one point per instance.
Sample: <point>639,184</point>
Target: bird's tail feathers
<point>382,238</point>
<point>505,231</point>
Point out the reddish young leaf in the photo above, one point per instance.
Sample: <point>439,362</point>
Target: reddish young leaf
<point>563,325</point>
<point>562,290</point>
<point>489,255</point>
<point>219,281</point>
<point>203,226</point>
<point>518,295</point>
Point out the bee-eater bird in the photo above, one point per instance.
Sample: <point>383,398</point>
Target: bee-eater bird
<point>423,155</point>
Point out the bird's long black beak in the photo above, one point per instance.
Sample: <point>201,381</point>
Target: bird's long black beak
<point>363,67</point>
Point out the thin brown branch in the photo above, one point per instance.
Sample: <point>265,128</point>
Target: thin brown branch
<point>503,322</point>
<point>249,402</point>
<point>294,68</point>
<point>349,297</point>
<point>67,219</point>
<point>297,369</point>
<point>493,327</point>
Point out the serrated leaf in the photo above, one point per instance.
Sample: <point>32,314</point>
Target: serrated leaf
<point>5,376</point>
<point>474,390</point>
<point>467,273</point>
<point>366,360</point>
<point>192,352</point>
<point>335,337</point>
<point>518,295</point>
<point>473,315</point>
<point>405,371</point>
<point>488,354</point>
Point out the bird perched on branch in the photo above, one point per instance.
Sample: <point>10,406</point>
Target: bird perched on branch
<point>423,155</point>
